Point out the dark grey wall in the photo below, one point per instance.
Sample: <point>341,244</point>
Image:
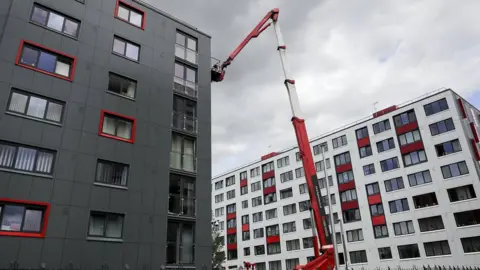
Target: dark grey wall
<point>71,191</point>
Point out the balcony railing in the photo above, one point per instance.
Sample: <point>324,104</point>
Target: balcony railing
<point>184,122</point>
<point>186,54</point>
<point>182,161</point>
<point>183,86</point>
<point>178,205</point>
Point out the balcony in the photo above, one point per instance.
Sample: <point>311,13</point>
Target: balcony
<point>183,162</point>
<point>183,122</point>
<point>185,87</point>
<point>186,54</point>
<point>178,205</point>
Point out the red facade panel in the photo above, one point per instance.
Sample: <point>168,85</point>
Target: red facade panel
<point>374,199</point>
<point>232,246</point>
<point>462,108</point>
<point>269,190</point>
<point>346,186</point>
<point>243,183</point>
<point>273,239</point>
<point>406,128</point>
<point>245,227</point>
<point>231,216</point>
<point>475,149</point>
<point>411,147</point>
<point>231,230</point>
<point>269,155</point>
<point>363,142</point>
<point>349,205</point>
<point>384,111</point>
<point>343,168</point>
<point>269,174</point>
<point>378,220</point>
<point>474,132</point>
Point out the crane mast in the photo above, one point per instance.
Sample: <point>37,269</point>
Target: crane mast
<point>321,238</point>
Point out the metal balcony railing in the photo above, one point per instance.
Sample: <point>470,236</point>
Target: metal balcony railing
<point>178,205</point>
<point>184,122</point>
<point>186,54</point>
<point>182,161</point>
<point>183,86</point>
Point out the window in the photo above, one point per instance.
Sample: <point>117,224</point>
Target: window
<point>381,126</point>
<point>258,233</point>
<point>467,218</point>
<point>362,133</point>
<point>185,80</point>
<point>130,14</point>
<point>351,215</point>
<point>272,230</point>
<point>184,115</point>
<point>287,176</point>
<point>111,173</point>
<point>275,265</point>
<point>222,225</point>
<point>307,242</point>
<point>348,195</point>
<point>338,238</point>
<point>297,156</point>
<point>126,48</point>
<point>254,172</point>
<point>342,159</point>
<point>289,209</point>
<point>447,148</point>
<point>304,205</point>
<point>341,259</point>
<point>385,253</point>
<point>183,154</point>
<point>419,178</point>
<point>21,218</point>
<point>385,145</point>
<point>186,48</point>
<point>425,200</point>
<point>372,189</point>
<point>219,212</point>
<point>55,21</point>
<point>376,210</point>
<point>345,177</point>
<point>355,235</point>
<point>408,251</point>
<point>286,193</point>
<point>245,235</point>
<point>293,244</point>
<point>369,169</point>
<point>317,149</point>
<point>442,126</point>
<point>246,251</point>
<point>335,217</point>
<point>283,162</point>
<point>291,263</point>
<point>332,198</point>
<point>380,231</point>
<point>218,185</point>
<point>365,151</point>
<point>389,164</point>
<point>243,175</point>
<point>256,201</point>
<point>299,172</point>
<point>339,141</point>
<point>245,204</point>
<point>219,198</point>
<point>413,158</point>
<point>268,167</point>
<point>35,106</point>
<point>322,181</point>
<point>230,181</point>
<point>36,57</point>
<point>271,213</point>
<point>302,188</point>
<point>399,205</point>
<point>289,227</point>
<point>454,169</point>
<point>394,184</point>
<point>270,198</point>
<point>232,223</point>
<point>105,225</point>
<point>435,107</point>
<point>259,250</point>
<point>25,158</point>
<point>409,137</point>
<point>256,186</point>
<point>404,118</point>
<point>428,224</point>
<point>230,194</point>
<point>232,238</point>
<point>359,256</point>
<point>119,127</point>
<point>471,244</point>
<point>461,193</point>
<point>243,190</point>
<point>232,254</point>
<point>257,217</point>
<point>307,223</point>
<point>403,228</point>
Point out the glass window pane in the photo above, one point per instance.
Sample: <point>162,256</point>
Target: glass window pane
<point>62,69</point>
<point>44,162</point>
<point>136,18</point>
<point>71,28</point>
<point>55,21</point>
<point>97,222</point>
<point>33,221</point>
<point>12,218</point>
<point>192,56</point>
<point>25,159</point>
<point>180,39</point>
<point>119,46</point>
<point>179,71</point>
<point>192,44</point>
<point>36,107</point>
<point>18,103</point>
<point>187,241</point>
<point>54,112</point>
<point>29,56</point>
<point>132,51</point>
<point>124,129</point>
<point>114,226</point>
<point>123,13</point>
<point>463,167</point>
<point>39,15</point>
<point>47,61</point>
<point>7,154</point>
<point>191,75</point>
<point>108,125</point>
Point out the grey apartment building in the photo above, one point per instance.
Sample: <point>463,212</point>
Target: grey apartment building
<point>104,137</point>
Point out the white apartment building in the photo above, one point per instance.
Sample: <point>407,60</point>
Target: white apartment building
<point>404,183</point>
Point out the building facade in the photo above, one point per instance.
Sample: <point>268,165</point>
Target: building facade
<point>403,182</point>
<point>104,137</point>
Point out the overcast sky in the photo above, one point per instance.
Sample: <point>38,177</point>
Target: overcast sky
<point>344,56</point>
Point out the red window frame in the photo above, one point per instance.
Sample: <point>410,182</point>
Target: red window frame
<point>144,14</point>
<point>46,214</point>
<point>100,127</point>
<point>39,46</point>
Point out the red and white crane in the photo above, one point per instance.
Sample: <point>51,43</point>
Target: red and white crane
<point>323,248</point>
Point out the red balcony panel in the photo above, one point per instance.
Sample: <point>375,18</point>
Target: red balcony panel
<point>243,183</point>
<point>346,186</point>
<point>384,111</point>
<point>269,174</point>
<point>232,246</point>
<point>245,227</point>
<point>269,155</point>
<point>273,239</point>
<point>475,149</point>
<point>406,128</point>
<point>349,205</point>
<point>343,168</point>
<point>374,199</point>
<point>232,230</point>
<point>363,142</point>
<point>231,215</point>
<point>474,132</point>
<point>462,108</point>
<point>378,220</point>
<point>411,147</point>
<point>269,190</point>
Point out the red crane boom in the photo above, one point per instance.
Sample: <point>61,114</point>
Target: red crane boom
<point>322,240</point>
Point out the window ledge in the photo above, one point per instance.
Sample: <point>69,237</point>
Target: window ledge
<point>110,185</point>
<point>411,259</point>
<point>450,155</point>
<point>185,266</point>
<point>55,31</point>
<point>456,177</point>
<point>362,263</point>
<point>468,226</point>
<point>396,190</point>
<point>104,239</point>
<point>446,132</point>
<point>433,231</point>
<point>392,170</point>
<point>385,260</point>
<point>427,207</point>
<point>26,173</point>
<point>471,253</point>
<point>124,57</point>
<point>403,235</point>
<point>467,200</point>
<point>438,256</point>
<point>421,185</point>
<point>120,95</point>
<point>33,118</point>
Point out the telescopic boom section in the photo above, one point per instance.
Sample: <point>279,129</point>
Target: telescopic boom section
<point>322,240</point>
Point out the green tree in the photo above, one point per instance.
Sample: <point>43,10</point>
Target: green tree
<point>218,253</point>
